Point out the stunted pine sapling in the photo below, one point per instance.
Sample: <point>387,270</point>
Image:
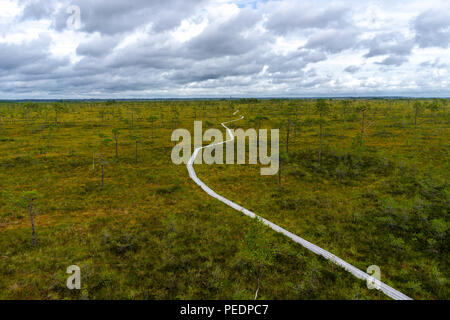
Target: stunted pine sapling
<point>136,138</point>
<point>103,143</point>
<point>27,201</point>
<point>59,107</point>
<point>102,114</point>
<point>287,136</point>
<point>132,119</point>
<point>152,120</point>
<point>345,105</point>
<point>322,108</point>
<point>282,159</point>
<point>418,107</point>
<point>115,132</point>
<point>362,109</point>
<point>258,249</point>
<point>29,107</point>
<point>259,119</point>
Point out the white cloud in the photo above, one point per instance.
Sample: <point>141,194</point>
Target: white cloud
<point>223,47</point>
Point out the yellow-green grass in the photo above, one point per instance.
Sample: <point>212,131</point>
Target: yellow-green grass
<point>151,233</point>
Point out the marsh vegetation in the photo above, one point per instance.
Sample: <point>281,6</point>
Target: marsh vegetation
<point>364,179</point>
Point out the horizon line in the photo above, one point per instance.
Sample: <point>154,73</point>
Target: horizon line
<point>227,98</point>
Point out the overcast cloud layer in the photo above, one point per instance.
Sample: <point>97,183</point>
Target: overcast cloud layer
<point>219,48</point>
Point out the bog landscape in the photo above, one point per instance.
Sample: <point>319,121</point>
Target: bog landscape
<point>224,158</point>
<point>365,179</point>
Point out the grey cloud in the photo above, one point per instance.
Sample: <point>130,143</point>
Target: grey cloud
<point>117,16</point>
<point>233,37</point>
<point>202,74</point>
<point>333,41</point>
<point>227,56</point>
<point>312,56</point>
<point>388,43</point>
<point>352,69</point>
<point>220,51</point>
<point>152,53</point>
<point>436,63</point>
<point>296,15</point>
<point>29,57</point>
<point>113,16</point>
<point>14,56</point>
<point>393,61</point>
<point>97,47</point>
<point>433,29</point>
<point>301,81</point>
<point>247,65</point>
<point>36,10</point>
<point>294,61</point>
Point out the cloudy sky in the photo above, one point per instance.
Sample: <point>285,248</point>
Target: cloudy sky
<point>220,48</point>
